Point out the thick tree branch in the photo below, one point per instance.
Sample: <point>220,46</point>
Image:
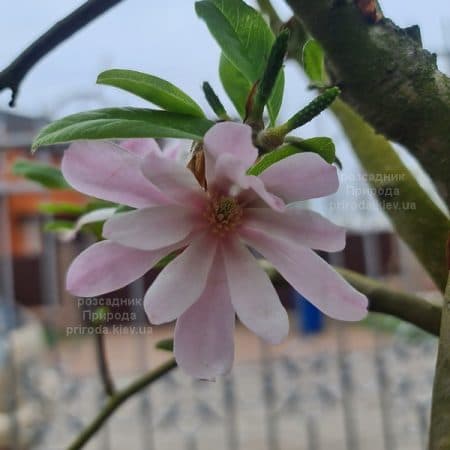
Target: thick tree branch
<point>12,76</point>
<point>387,76</point>
<point>440,411</point>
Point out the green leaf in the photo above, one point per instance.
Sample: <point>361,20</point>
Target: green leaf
<point>72,209</point>
<point>59,225</point>
<point>246,41</point>
<point>165,344</point>
<point>416,218</point>
<point>313,62</point>
<point>46,175</point>
<point>214,101</point>
<point>271,158</point>
<point>235,84</point>
<point>121,123</point>
<point>153,89</point>
<point>323,146</point>
<point>238,88</point>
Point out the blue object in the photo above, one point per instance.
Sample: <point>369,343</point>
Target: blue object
<point>309,318</point>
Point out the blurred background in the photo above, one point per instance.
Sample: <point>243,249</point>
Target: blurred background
<point>364,386</point>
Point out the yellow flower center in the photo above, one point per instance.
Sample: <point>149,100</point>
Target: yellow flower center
<point>223,213</point>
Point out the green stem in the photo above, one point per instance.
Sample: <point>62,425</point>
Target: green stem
<point>440,410</point>
<point>266,8</point>
<point>116,400</point>
<point>103,367</point>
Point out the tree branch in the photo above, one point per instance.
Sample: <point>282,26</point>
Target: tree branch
<point>12,76</point>
<point>102,363</point>
<point>440,406</point>
<point>116,400</point>
<point>408,307</point>
<point>411,308</point>
<point>386,75</point>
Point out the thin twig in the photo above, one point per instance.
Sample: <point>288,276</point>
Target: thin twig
<point>102,363</point>
<point>12,76</point>
<point>116,400</point>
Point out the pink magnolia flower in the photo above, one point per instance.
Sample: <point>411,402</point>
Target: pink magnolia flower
<point>216,275</point>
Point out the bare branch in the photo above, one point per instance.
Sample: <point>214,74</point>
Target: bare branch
<point>12,76</point>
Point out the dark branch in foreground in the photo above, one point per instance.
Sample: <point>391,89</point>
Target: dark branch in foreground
<point>117,399</point>
<point>103,367</point>
<point>12,76</point>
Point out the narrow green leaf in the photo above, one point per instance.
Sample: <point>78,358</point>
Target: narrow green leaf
<point>238,88</point>
<point>59,225</point>
<point>313,62</point>
<point>70,209</point>
<point>323,146</point>
<point>266,86</point>
<point>44,174</point>
<point>165,344</point>
<point>246,41</point>
<point>153,89</point>
<point>417,219</point>
<point>121,123</point>
<point>271,158</point>
<point>214,101</point>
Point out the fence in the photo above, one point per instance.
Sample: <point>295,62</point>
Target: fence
<point>353,387</point>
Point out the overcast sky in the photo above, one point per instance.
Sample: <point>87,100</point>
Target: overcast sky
<point>168,40</point>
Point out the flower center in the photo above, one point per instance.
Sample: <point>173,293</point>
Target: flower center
<point>223,213</point>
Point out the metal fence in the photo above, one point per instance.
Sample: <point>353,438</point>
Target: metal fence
<point>353,388</point>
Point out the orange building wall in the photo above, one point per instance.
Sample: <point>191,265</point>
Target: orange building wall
<point>24,206</point>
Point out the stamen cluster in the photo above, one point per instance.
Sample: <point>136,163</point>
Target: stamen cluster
<point>223,213</point>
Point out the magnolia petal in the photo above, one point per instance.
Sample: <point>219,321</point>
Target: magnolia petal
<point>228,138</point>
<point>150,228</point>
<point>204,341</point>
<point>172,178</point>
<point>230,174</point>
<point>98,215</point>
<point>297,226</point>
<point>181,282</point>
<point>141,147</point>
<point>175,151</point>
<point>107,266</point>
<point>256,191</point>
<point>107,171</point>
<point>310,275</point>
<point>301,177</point>
<point>252,294</point>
